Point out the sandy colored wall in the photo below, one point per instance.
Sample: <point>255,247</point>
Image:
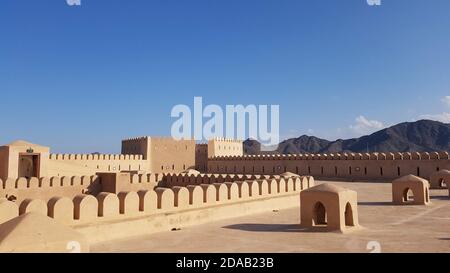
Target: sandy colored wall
<point>47,187</point>
<point>172,180</point>
<point>225,147</point>
<point>136,146</point>
<point>339,166</point>
<point>73,164</point>
<point>168,155</point>
<point>143,200</point>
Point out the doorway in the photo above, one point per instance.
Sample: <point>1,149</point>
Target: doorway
<point>319,215</point>
<point>29,165</point>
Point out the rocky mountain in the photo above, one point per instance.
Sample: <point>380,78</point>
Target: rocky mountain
<point>419,136</point>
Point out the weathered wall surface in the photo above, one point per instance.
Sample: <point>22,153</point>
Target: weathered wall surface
<point>374,166</point>
<point>168,155</point>
<point>70,186</point>
<point>89,164</point>
<point>109,211</point>
<point>225,147</point>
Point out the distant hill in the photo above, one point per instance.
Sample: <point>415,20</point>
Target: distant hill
<point>419,136</point>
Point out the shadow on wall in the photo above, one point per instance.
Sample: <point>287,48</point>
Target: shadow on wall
<point>269,227</point>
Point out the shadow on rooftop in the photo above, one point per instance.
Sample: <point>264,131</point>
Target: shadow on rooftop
<point>440,197</point>
<point>375,204</point>
<point>269,227</point>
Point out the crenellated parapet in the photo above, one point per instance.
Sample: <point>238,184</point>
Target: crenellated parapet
<point>105,206</point>
<point>341,156</point>
<point>95,157</point>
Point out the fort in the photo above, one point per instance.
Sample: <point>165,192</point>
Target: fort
<point>158,184</point>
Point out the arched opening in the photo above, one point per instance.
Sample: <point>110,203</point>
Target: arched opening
<point>442,183</point>
<point>349,215</point>
<point>319,215</point>
<point>408,195</point>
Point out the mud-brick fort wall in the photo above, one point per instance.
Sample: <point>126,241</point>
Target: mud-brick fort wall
<point>89,164</point>
<point>171,156</point>
<point>201,158</point>
<point>144,154</point>
<point>225,147</point>
<point>373,166</point>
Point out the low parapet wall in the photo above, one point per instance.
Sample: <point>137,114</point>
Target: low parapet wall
<point>47,187</point>
<point>69,186</point>
<point>104,208</point>
<point>171,180</point>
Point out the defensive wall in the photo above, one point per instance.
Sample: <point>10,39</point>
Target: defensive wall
<point>341,166</point>
<point>140,198</point>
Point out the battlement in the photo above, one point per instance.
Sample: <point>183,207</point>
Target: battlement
<point>225,147</point>
<point>95,157</point>
<point>171,180</point>
<point>46,182</point>
<point>136,139</point>
<point>106,206</point>
<point>342,156</point>
<point>219,139</point>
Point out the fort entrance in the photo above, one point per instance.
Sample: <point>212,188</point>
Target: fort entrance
<point>29,165</point>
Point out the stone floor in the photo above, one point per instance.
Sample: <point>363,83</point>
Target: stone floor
<point>386,227</point>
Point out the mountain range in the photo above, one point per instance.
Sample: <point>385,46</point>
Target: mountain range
<point>418,136</point>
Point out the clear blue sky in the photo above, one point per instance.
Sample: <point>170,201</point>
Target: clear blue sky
<point>81,78</point>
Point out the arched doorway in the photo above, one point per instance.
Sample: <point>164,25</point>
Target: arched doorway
<point>349,215</point>
<point>408,195</point>
<point>442,183</point>
<point>319,215</point>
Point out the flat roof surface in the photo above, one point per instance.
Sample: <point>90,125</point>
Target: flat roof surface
<point>395,228</point>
